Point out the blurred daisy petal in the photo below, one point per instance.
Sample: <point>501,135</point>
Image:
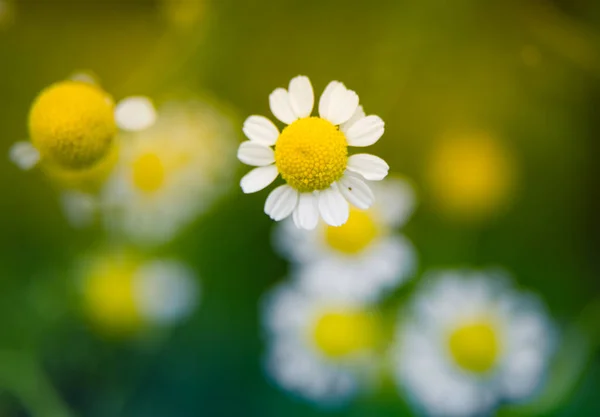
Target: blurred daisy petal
<point>24,155</point>
<point>135,113</point>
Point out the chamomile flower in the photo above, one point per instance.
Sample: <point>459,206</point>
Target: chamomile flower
<point>123,294</point>
<point>311,154</point>
<point>169,173</point>
<point>362,259</point>
<point>469,342</point>
<point>322,349</point>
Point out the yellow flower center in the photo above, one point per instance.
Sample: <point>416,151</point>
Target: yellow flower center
<point>109,296</point>
<point>72,124</point>
<point>354,236</point>
<point>341,333</point>
<point>311,154</point>
<point>148,173</point>
<point>475,346</point>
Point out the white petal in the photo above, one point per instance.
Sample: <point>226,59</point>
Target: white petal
<point>24,155</point>
<point>358,115</point>
<point>371,167</point>
<point>135,113</point>
<point>258,178</point>
<point>255,154</point>
<point>281,108</point>
<point>356,191</point>
<point>366,131</point>
<point>85,77</point>
<point>306,214</point>
<point>281,202</point>
<point>326,97</point>
<point>339,104</point>
<point>79,208</point>
<point>333,206</point>
<point>302,97</point>
<point>261,130</point>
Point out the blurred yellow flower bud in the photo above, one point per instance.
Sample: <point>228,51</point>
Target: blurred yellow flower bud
<point>72,124</point>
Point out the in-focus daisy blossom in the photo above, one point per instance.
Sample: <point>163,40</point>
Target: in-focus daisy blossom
<point>311,154</point>
<point>123,294</point>
<point>364,258</point>
<point>320,348</point>
<point>169,173</point>
<point>470,342</point>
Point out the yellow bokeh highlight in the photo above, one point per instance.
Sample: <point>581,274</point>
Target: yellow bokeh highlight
<point>355,235</point>
<point>341,333</point>
<point>72,124</point>
<point>148,172</point>
<point>475,346</point>
<point>109,297</point>
<point>311,154</point>
<point>471,176</point>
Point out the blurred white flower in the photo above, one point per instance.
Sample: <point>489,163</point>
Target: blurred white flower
<point>364,258</point>
<point>169,173</point>
<point>468,342</point>
<point>322,349</point>
<point>123,293</point>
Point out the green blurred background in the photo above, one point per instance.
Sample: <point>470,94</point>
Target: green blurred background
<point>524,72</point>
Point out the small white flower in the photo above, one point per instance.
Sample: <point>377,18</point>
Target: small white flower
<point>123,293</point>
<point>311,154</point>
<point>322,349</point>
<point>168,173</point>
<point>469,342</point>
<point>364,258</point>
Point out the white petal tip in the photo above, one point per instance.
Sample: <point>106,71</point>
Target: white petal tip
<point>135,113</point>
<point>24,155</point>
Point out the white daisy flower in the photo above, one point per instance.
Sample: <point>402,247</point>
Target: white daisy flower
<point>469,342</point>
<point>169,173</point>
<point>311,154</point>
<point>322,349</point>
<point>123,294</point>
<point>364,258</point>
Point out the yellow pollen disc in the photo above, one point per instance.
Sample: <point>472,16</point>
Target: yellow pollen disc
<point>72,124</point>
<point>354,236</point>
<point>342,333</point>
<point>475,346</point>
<point>109,297</point>
<point>311,154</point>
<point>148,173</point>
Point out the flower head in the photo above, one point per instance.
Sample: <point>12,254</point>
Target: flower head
<point>363,259</point>
<point>320,348</point>
<point>311,154</point>
<point>72,124</point>
<point>168,173</point>
<point>123,293</point>
<point>469,342</point>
